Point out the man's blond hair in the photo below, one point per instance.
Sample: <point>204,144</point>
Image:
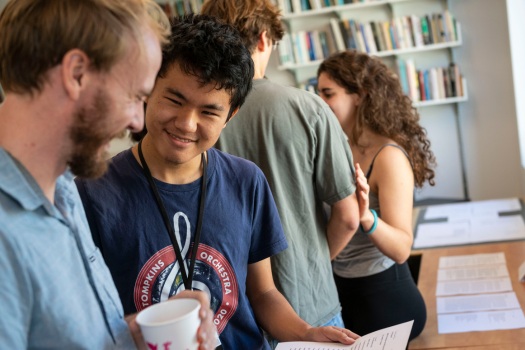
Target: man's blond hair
<point>36,34</point>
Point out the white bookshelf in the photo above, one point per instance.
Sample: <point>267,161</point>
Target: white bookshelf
<point>341,8</point>
<point>444,101</point>
<point>388,53</point>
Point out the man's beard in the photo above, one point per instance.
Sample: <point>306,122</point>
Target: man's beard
<point>89,133</point>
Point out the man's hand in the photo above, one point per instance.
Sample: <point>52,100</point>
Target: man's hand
<point>206,333</point>
<point>330,334</point>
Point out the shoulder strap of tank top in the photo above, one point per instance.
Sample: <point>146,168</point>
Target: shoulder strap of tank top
<point>385,145</point>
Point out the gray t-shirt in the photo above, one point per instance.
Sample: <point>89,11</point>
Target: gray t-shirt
<point>294,137</point>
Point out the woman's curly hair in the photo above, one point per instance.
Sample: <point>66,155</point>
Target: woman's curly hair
<point>384,109</point>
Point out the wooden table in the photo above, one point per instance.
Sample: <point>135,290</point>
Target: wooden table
<point>513,339</point>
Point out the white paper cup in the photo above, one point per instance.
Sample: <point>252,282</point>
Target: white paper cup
<point>172,325</point>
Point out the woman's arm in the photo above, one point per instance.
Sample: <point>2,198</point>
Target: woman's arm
<point>394,178</point>
<point>276,316</point>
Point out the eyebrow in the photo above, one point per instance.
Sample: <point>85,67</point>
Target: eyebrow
<point>212,106</point>
<point>325,89</point>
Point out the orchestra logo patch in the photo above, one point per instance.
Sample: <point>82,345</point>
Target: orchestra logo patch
<point>160,278</point>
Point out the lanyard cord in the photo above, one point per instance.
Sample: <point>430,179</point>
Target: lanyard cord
<point>187,279</point>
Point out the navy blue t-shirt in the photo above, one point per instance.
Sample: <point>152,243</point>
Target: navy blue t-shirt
<point>241,226</point>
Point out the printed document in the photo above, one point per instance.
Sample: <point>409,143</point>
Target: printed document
<point>482,302</point>
<point>474,287</point>
<point>467,210</point>
<point>391,338</point>
<point>471,260</point>
<point>481,321</point>
<point>470,273</point>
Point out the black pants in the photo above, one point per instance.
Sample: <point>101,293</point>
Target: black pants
<point>382,300</point>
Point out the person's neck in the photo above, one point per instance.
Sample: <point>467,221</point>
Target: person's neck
<point>35,132</point>
<point>368,139</point>
<point>258,65</point>
<point>165,171</point>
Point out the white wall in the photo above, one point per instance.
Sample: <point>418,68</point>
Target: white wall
<point>488,121</point>
<point>516,14</point>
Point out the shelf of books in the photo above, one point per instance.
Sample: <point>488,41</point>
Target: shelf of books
<point>402,35</point>
<point>303,8</point>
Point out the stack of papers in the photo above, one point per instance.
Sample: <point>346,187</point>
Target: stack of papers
<point>473,274</point>
<point>472,222</point>
<point>391,338</point>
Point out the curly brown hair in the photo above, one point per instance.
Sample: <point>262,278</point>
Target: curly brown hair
<point>384,109</point>
<point>251,17</point>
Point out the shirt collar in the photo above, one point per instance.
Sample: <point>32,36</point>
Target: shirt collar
<point>20,185</point>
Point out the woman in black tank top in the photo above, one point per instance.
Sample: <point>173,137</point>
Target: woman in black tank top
<point>375,286</point>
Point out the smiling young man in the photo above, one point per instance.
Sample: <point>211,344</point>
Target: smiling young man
<point>174,192</point>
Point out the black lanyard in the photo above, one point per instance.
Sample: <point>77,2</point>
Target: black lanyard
<point>185,278</point>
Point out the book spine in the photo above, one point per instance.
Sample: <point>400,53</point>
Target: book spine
<point>386,33</point>
<point>353,30</point>
<point>421,83</point>
<point>400,33</point>
<point>442,38</point>
<point>450,26</point>
<point>377,36</point>
<point>324,44</point>
<point>408,35</point>
<point>401,68</point>
<point>427,85</point>
<point>304,46</point>
<point>426,33</point>
<point>337,34</point>
<point>453,86</point>
<point>319,55</point>
<point>283,54</point>
<point>430,30</point>
<point>418,31</point>
<point>363,34</point>
<point>394,36</point>
<point>296,5</point>
<point>310,45</point>
<point>411,77</point>
<point>297,49</point>
<point>459,89</point>
<point>351,39</point>
<point>344,32</point>
<point>434,84</point>
<point>370,38</point>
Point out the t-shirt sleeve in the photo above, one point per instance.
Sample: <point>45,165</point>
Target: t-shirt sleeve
<point>334,165</point>
<point>15,297</point>
<point>89,212</point>
<point>267,231</point>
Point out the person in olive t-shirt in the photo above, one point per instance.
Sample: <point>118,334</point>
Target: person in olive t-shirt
<point>296,140</point>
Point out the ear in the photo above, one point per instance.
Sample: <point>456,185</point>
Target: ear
<point>264,43</point>
<point>233,115</point>
<point>75,68</point>
<point>360,97</point>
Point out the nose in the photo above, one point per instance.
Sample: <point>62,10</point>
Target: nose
<point>187,120</point>
<point>137,121</point>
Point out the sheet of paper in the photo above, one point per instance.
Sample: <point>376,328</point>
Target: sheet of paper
<point>473,209</point>
<point>474,287</point>
<point>471,260</point>
<point>503,228</point>
<point>441,234</point>
<point>481,302</point>
<point>481,321</point>
<point>391,338</point>
<point>471,273</point>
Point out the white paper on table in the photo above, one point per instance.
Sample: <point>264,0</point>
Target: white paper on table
<point>470,273</point>
<point>391,338</point>
<point>481,302</point>
<point>471,260</point>
<point>441,234</point>
<point>503,228</point>
<point>481,321</point>
<point>472,209</point>
<point>474,287</point>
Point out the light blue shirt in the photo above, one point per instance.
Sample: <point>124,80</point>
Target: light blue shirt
<point>56,292</point>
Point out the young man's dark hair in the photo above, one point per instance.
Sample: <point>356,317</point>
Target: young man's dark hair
<point>226,62</point>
